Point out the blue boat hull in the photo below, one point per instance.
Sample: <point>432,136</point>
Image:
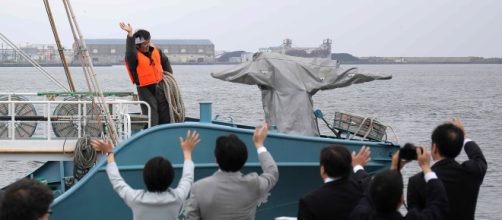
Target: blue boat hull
<point>297,157</point>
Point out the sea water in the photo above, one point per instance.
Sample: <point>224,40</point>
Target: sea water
<point>413,102</point>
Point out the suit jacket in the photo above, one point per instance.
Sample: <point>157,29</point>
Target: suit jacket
<point>232,195</point>
<point>2,193</point>
<point>461,181</point>
<point>333,200</point>
<point>436,208</point>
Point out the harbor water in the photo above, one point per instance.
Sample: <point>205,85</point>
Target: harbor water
<point>413,102</point>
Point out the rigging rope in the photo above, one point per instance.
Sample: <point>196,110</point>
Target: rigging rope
<point>32,61</point>
<point>85,156</point>
<point>91,74</point>
<point>173,96</point>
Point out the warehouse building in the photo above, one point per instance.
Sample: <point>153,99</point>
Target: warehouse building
<point>112,51</point>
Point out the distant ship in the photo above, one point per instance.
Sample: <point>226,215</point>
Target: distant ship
<point>323,51</point>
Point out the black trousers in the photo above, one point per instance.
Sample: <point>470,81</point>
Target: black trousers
<point>154,95</point>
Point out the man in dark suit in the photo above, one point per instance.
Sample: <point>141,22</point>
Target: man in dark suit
<point>1,199</point>
<point>461,181</point>
<point>342,188</point>
<point>385,195</point>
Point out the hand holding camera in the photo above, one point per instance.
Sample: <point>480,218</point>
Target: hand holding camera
<point>424,159</point>
<point>408,153</point>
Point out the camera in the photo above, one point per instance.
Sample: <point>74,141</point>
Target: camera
<point>408,152</point>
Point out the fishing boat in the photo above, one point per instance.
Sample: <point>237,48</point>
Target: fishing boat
<point>92,197</point>
<point>56,133</point>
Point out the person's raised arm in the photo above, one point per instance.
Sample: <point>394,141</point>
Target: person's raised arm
<point>436,206</point>
<point>118,183</point>
<point>131,50</point>
<point>105,147</point>
<point>259,136</point>
<point>424,159</point>
<point>415,198</point>
<point>187,146</point>
<point>477,163</point>
<point>360,160</point>
<point>396,161</point>
<point>270,174</point>
<point>191,207</point>
<point>127,28</point>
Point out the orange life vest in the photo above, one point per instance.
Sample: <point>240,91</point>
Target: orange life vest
<point>148,72</point>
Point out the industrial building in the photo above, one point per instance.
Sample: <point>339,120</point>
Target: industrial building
<point>112,51</point>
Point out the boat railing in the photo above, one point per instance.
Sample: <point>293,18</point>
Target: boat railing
<point>79,121</point>
<point>73,118</point>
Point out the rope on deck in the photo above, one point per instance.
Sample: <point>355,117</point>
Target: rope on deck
<point>173,96</point>
<point>84,157</point>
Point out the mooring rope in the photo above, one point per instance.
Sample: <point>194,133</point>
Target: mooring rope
<point>84,157</point>
<point>173,96</point>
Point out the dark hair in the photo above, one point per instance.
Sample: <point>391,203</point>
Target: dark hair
<point>158,174</point>
<point>449,140</point>
<point>336,160</point>
<point>231,153</point>
<point>26,199</point>
<point>142,34</point>
<point>385,190</point>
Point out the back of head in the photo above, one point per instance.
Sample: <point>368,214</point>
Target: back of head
<point>158,174</point>
<point>336,160</point>
<point>385,190</point>
<point>26,199</point>
<point>449,140</point>
<point>144,35</point>
<point>231,153</point>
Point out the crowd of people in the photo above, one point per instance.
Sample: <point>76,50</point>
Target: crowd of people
<point>445,189</point>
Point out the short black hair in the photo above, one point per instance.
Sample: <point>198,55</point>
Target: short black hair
<point>142,34</point>
<point>231,153</point>
<point>385,190</point>
<point>158,174</point>
<point>336,160</point>
<point>26,199</point>
<point>449,140</point>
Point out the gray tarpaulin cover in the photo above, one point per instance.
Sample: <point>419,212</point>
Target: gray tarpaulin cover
<point>288,83</point>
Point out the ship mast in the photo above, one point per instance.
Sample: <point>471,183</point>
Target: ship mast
<point>60,47</point>
<point>90,73</point>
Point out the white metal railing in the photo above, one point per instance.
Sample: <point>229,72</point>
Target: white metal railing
<point>119,109</point>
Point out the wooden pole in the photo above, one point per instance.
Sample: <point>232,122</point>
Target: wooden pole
<point>60,47</point>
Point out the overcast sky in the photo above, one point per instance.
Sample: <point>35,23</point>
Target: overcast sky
<point>359,27</point>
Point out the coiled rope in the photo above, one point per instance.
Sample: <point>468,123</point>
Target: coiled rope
<point>173,96</point>
<point>84,157</point>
